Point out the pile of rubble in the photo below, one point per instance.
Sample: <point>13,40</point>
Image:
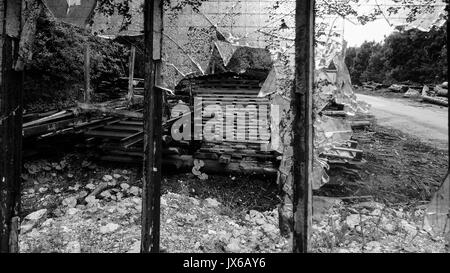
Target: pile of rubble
<point>187,225</point>
<point>205,225</point>
<point>373,227</point>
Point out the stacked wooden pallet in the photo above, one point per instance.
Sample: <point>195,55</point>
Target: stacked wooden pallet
<point>240,135</point>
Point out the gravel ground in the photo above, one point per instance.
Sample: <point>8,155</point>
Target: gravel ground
<point>234,213</point>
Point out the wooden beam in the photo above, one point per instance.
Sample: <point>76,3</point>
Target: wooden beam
<point>87,73</point>
<point>303,125</point>
<point>99,109</point>
<point>131,73</point>
<point>11,92</point>
<point>152,132</point>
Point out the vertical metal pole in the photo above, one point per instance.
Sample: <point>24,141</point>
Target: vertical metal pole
<point>131,72</point>
<point>152,137</point>
<point>302,126</point>
<point>11,92</point>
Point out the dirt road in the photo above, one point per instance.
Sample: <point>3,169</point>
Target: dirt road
<point>425,121</point>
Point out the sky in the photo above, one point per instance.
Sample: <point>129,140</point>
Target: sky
<point>355,35</point>
<point>378,29</point>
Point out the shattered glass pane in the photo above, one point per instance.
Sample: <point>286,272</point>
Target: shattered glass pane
<point>194,31</point>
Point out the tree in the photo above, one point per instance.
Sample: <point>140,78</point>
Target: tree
<point>411,55</point>
<point>55,73</point>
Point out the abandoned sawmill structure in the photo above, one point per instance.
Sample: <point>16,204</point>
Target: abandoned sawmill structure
<point>121,139</point>
<point>218,78</point>
<point>199,109</point>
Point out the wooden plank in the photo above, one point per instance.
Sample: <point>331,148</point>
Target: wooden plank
<point>132,140</point>
<point>48,127</point>
<point>132,122</point>
<point>107,134</point>
<point>121,127</point>
<point>301,105</point>
<point>97,108</point>
<point>152,135</point>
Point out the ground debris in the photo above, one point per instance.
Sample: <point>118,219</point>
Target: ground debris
<point>359,228</point>
<point>190,225</point>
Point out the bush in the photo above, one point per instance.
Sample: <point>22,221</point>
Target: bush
<point>55,74</point>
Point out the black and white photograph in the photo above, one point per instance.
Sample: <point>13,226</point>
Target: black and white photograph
<point>225,127</point>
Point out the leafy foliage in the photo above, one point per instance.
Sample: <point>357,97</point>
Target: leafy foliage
<point>57,67</point>
<point>411,55</point>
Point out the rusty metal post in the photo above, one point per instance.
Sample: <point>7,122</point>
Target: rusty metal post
<point>11,92</point>
<point>302,125</point>
<point>152,134</point>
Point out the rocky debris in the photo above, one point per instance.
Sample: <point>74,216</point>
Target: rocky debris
<point>211,202</point>
<point>107,178</point>
<point>90,186</point>
<point>189,224</point>
<point>135,248</point>
<point>398,88</point>
<point>373,247</point>
<point>163,202</point>
<point>36,216</point>
<point>233,246</point>
<point>124,186</point>
<point>353,220</point>
<point>322,204</point>
<point>185,222</point>
<point>92,202</point>
<point>410,229</point>
<point>412,93</point>
<point>110,227</point>
<point>73,247</point>
<point>32,220</point>
<point>373,227</point>
<point>72,211</point>
<point>106,194</point>
<point>76,187</point>
<point>134,191</point>
<point>370,205</point>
